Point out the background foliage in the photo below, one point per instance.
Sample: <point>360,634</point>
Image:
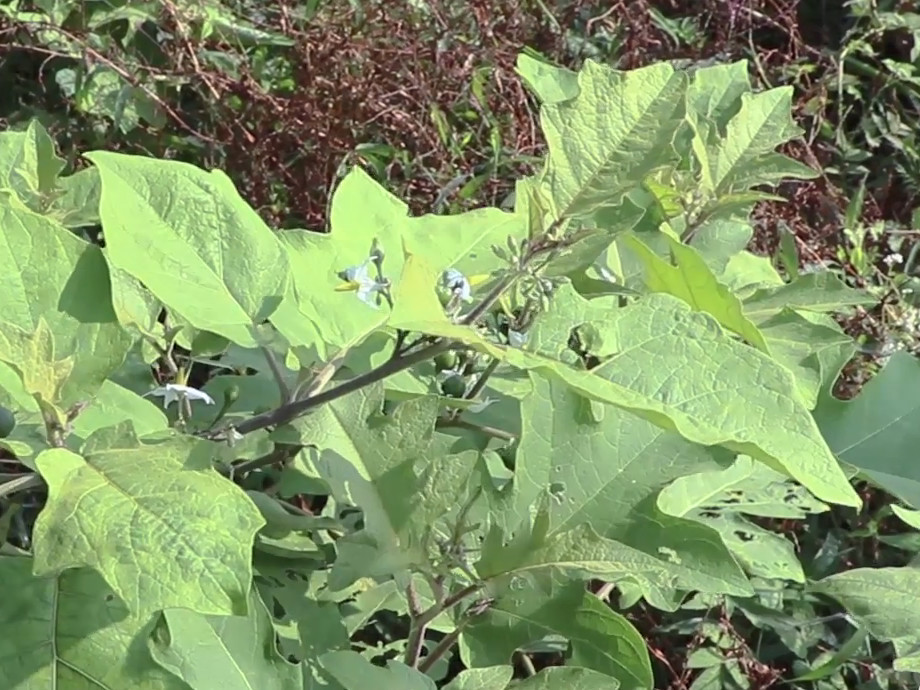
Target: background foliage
<point>424,96</point>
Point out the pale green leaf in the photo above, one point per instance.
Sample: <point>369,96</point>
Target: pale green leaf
<point>114,404</point>
<point>614,465</point>
<point>190,238</point>
<point>581,552</point>
<point>550,83</point>
<point>607,139</point>
<point>820,292</point>
<point>33,356</point>
<point>884,600</point>
<point>715,92</point>
<point>720,240</point>
<point>911,517</point>
<point>58,277</point>
<point>76,203</point>
<point>369,460</point>
<point>71,631</point>
<point>745,487</point>
<point>364,213</point>
<point>134,305</point>
<point>694,380</point>
<point>29,165</point>
<point>227,652</point>
<point>812,346</point>
<point>743,155</point>
<point>690,279</point>
<point>125,507</point>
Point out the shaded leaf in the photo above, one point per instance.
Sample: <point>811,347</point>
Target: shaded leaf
<point>72,631</point>
<point>884,600</point>
<point>229,652</point>
<point>879,429</point>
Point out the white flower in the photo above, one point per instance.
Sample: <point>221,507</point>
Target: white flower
<point>893,259</point>
<point>517,339</point>
<point>359,280</point>
<point>480,406</point>
<point>458,284</point>
<point>172,392</point>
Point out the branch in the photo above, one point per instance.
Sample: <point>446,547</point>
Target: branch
<point>420,621</point>
<point>285,413</point>
<point>457,423</point>
<point>291,410</point>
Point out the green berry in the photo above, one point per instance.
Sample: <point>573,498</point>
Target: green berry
<point>454,387</point>
<point>7,422</point>
<point>446,361</point>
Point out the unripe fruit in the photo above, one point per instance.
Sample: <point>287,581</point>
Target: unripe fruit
<point>454,387</point>
<point>446,361</point>
<point>7,422</point>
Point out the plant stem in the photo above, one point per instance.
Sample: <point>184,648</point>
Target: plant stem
<point>288,411</point>
<point>482,379</point>
<point>494,432</point>
<point>291,410</point>
<point>281,453</point>
<point>444,646</point>
<point>421,620</point>
<point>283,388</point>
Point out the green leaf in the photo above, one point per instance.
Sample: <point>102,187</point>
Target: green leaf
<point>690,279</point>
<point>715,92</point>
<point>845,654</point>
<point>33,355</point>
<point>723,499</point>
<point>77,202</point>
<point>72,631</point>
<point>363,213</point>
<point>812,346</point>
<point>719,240</point>
<point>877,431</point>
<point>819,292</point>
<point>106,93</point>
<point>550,83</point>
<point>29,165</point>
<point>884,601</point>
<point>229,652</point>
<point>369,460</point>
<point>615,464</point>
<point>114,404</point>
<point>489,678</point>
<point>134,305</point>
<point>744,155</point>
<point>125,507</point>
<point>607,139</point>
<point>694,380</point>
<point>601,639</point>
<point>355,672</point>
<point>58,277</point>
<point>161,219</point>
<point>567,678</point>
